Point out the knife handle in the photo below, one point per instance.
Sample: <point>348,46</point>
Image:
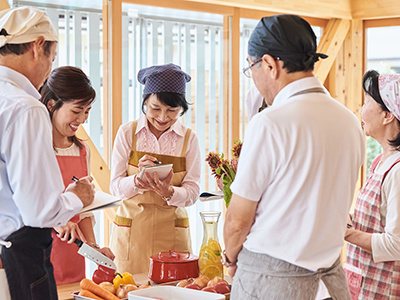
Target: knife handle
<point>77,241</point>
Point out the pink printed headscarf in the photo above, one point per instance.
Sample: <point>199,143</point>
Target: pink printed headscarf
<point>389,89</point>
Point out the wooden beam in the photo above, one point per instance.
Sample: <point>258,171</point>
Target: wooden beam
<point>258,14</point>
<point>361,9</point>
<point>99,169</point>
<point>186,5</point>
<point>382,22</point>
<point>330,44</point>
<point>326,9</point>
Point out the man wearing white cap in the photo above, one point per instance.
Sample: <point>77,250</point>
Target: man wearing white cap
<point>31,185</point>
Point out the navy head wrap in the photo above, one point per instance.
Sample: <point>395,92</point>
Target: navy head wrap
<point>288,37</point>
<point>164,78</point>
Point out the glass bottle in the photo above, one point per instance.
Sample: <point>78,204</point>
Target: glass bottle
<point>210,263</point>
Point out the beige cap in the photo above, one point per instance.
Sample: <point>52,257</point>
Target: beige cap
<point>24,25</point>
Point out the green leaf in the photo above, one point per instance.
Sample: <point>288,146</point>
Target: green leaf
<point>227,194</point>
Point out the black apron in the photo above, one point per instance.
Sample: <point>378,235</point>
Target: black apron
<point>27,264</point>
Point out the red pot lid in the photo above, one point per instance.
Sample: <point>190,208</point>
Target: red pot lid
<point>174,257</point>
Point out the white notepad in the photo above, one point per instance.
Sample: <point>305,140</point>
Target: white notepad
<point>101,201</point>
<point>161,170</point>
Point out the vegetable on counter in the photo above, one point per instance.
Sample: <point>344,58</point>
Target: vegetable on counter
<point>125,278</point>
<point>103,274</point>
<point>87,284</point>
<point>86,293</point>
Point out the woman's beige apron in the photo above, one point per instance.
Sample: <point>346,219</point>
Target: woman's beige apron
<point>145,224</point>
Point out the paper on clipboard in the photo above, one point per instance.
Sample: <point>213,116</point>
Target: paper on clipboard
<point>101,201</point>
<point>208,196</point>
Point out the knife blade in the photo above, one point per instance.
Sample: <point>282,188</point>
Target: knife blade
<point>92,254</point>
<point>86,251</point>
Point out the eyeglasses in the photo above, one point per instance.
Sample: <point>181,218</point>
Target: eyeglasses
<point>247,71</point>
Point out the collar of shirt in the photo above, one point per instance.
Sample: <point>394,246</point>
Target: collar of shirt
<point>18,80</point>
<point>142,124</point>
<point>294,87</point>
<point>387,163</point>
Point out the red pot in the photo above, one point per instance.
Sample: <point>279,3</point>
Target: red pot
<point>173,265</point>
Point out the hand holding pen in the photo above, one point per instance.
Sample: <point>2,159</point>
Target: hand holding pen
<point>83,188</point>
<point>147,161</point>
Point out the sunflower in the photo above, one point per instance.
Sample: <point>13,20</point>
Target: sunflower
<point>237,147</point>
<point>214,160</point>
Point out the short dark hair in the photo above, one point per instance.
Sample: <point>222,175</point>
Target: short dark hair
<point>170,99</point>
<point>19,49</point>
<point>67,84</point>
<point>371,88</point>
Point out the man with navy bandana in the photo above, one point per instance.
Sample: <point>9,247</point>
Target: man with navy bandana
<point>296,175</point>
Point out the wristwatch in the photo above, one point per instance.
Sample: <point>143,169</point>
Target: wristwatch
<point>225,260</point>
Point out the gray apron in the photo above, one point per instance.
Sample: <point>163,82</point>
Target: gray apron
<point>260,276</point>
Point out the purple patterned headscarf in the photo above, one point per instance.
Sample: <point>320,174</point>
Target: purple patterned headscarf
<point>389,89</point>
<point>164,78</point>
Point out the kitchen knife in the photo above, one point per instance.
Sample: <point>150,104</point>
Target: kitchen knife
<point>92,254</point>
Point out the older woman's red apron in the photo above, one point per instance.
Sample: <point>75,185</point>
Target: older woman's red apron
<point>367,279</point>
<point>69,266</point>
<point>145,224</point>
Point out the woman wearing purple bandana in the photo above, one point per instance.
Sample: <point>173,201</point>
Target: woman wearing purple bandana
<point>373,252</point>
<point>153,217</point>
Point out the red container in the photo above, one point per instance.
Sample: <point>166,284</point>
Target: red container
<point>173,265</point>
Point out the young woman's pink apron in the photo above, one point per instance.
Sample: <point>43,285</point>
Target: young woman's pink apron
<point>69,266</point>
<point>367,279</point>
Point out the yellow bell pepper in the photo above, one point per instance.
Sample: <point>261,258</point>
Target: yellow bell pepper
<point>125,278</point>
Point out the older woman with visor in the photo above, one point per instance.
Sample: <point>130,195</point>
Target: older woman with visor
<point>373,252</point>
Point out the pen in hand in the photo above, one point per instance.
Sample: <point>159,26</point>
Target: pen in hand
<point>157,162</point>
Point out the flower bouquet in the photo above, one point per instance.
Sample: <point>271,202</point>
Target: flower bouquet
<point>224,170</point>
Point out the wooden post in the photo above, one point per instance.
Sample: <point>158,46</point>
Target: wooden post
<point>226,83</point>
<point>116,67</point>
<point>106,82</point>
<point>235,83</point>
